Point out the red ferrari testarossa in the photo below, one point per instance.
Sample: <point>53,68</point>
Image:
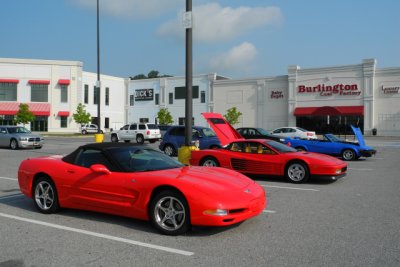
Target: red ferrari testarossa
<point>139,182</point>
<point>262,156</point>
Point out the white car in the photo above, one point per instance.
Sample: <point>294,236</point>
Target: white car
<point>89,128</point>
<point>294,132</point>
<point>137,131</point>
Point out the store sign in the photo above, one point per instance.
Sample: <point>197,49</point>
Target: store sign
<point>391,90</point>
<point>329,90</point>
<point>276,94</point>
<point>144,94</point>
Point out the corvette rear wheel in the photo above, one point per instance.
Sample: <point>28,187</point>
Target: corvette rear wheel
<point>210,162</point>
<point>169,213</point>
<point>45,196</point>
<point>297,172</point>
<point>348,154</point>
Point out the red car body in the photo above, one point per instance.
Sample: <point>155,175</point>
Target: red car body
<point>111,188</point>
<point>261,156</point>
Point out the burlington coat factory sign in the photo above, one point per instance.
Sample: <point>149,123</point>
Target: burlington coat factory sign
<point>144,94</point>
<point>329,90</point>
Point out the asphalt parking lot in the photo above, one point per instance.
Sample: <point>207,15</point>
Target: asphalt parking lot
<point>351,222</point>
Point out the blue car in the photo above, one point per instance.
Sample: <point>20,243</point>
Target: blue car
<point>333,145</point>
<point>174,138</point>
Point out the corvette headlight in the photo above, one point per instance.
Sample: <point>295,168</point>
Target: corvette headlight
<point>217,212</point>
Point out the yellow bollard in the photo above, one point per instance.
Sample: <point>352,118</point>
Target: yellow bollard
<point>98,138</point>
<point>184,154</point>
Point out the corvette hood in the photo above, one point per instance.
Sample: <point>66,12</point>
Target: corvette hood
<point>213,179</point>
<point>359,136</point>
<point>225,132</point>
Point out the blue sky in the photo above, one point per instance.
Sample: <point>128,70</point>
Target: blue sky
<point>238,39</point>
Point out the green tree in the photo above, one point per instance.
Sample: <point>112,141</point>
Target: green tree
<point>139,77</point>
<point>164,117</point>
<point>153,74</point>
<point>24,115</point>
<point>232,116</point>
<point>81,116</point>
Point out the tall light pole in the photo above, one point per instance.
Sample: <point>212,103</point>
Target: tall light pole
<point>188,74</point>
<point>98,84</point>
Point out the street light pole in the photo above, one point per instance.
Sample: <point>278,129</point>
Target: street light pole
<point>98,84</point>
<point>188,77</point>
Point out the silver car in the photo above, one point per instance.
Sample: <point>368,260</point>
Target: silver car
<point>16,137</point>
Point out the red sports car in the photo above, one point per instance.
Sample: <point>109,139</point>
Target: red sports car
<point>261,156</point>
<point>139,182</point>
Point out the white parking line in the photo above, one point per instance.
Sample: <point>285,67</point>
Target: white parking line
<point>109,237</point>
<point>269,211</point>
<point>8,178</point>
<point>359,169</point>
<point>293,188</point>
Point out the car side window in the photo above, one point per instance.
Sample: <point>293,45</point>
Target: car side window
<point>133,127</point>
<point>88,157</point>
<point>142,127</point>
<point>236,147</point>
<point>126,127</point>
<point>3,130</point>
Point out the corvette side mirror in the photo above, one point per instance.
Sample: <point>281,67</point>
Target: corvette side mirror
<point>100,168</point>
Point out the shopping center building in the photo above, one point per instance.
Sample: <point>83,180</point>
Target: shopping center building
<point>326,99</point>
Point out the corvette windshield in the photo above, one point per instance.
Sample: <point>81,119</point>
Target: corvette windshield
<point>281,148</point>
<point>134,159</point>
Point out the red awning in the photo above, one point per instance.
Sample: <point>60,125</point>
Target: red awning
<point>38,109</point>
<point>63,82</point>
<point>63,113</point>
<point>9,81</point>
<point>39,81</point>
<point>9,108</point>
<point>323,111</point>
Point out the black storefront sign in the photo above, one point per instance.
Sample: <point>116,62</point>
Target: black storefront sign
<point>144,94</point>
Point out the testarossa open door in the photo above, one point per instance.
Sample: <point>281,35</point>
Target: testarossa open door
<point>222,128</point>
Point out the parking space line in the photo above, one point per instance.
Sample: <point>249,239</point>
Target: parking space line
<point>359,169</point>
<point>109,237</point>
<point>269,211</point>
<point>292,188</point>
<point>8,178</point>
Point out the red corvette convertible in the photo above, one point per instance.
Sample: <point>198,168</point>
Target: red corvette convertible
<point>139,182</point>
<point>261,156</point>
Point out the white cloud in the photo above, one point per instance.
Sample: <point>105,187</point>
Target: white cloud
<point>131,8</point>
<point>212,23</point>
<point>238,59</point>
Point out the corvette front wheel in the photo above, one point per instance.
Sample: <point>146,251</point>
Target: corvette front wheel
<point>45,196</point>
<point>297,172</point>
<point>169,213</point>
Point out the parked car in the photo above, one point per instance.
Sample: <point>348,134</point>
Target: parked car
<point>140,132</point>
<point>332,145</point>
<point>16,137</point>
<point>259,133</point>
<point>294,132</point>
<point>90,128</point>
<point>265,157</point>
<point>163,129</point>
<point>174,138</point>
<point>139,182</point>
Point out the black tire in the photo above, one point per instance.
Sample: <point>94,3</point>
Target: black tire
<point>101,131</point>
<point>209,162</point>
<point>348,154</point>
<point>84,132</point>
<point>139,139</point>
<point>44,194</point>
<point>114,138</point>
<point>13,144</point>
<point>169,150</point>
<point>169,213</point>
<point>297,172</point>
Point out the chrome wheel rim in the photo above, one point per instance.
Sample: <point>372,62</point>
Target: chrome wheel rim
<point>348,154</point>
<point>296,172</point>
<point>169,150</point>
<point>13,144</point>
<point>169,213</point>
<point>44,195</point>
<point>210,163</point>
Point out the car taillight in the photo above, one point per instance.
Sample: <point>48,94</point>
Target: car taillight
<point>309,134</point>
<point>148,132</point>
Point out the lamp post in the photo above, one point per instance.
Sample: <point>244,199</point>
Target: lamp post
<point>98,84</point>
<point>188,74</point>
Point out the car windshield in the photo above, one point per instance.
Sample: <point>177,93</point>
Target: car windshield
<point>134,159</point>
<point>208,132</point>
<point>281,148</point>
<point>262,131</point>
<point>18,130</point>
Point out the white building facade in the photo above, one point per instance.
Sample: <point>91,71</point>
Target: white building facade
<point>53,89</point>
<point>321,99</point>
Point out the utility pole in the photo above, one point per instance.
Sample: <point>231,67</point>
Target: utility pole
<point>188,74</point>
<point>98,84</point>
